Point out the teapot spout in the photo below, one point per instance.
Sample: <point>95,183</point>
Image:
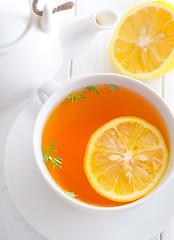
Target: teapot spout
<point>76,34</point>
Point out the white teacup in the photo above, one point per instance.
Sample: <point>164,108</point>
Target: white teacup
<point>51,93</point>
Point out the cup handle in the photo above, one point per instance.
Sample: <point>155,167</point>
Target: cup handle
<point>47,89</point>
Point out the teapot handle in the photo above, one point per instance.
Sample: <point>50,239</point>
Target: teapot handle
<point>46,15</point>
<point>47,89</point>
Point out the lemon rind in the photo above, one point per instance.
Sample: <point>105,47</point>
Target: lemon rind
<point>168,63</point>
<point>110,194</point>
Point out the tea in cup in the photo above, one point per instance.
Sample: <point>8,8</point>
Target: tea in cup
<point>102,142</point>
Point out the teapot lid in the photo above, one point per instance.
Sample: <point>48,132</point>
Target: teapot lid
<point>14,19</point>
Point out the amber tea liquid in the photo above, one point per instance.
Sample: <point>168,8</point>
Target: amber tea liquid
<point>70,125</point>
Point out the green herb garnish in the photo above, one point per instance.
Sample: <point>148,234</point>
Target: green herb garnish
<point>93,89</point>
<point>112,87</point>
<point>56,161</point>
<point>71,194</point>
<point>74,96</point>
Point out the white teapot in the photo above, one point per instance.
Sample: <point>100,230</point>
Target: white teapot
<point>33,44</point>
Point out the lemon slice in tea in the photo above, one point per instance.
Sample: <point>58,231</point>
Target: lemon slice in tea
<point>125,159</point>
<point>143,43</point>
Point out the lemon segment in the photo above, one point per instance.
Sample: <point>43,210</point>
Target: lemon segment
<point>125,159</point>
<point>143,42</point>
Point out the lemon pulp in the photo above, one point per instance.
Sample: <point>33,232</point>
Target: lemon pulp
<point>125,159</point>
<point>143,42</point>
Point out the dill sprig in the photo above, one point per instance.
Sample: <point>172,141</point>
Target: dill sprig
<point>75,97</point>
<point>71,194</point>
<point>112,87</point>
<point>93,89</point>
<point>56,161</point>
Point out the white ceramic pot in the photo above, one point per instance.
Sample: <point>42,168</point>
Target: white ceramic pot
<point>51,93</point>
<point>33,47</point>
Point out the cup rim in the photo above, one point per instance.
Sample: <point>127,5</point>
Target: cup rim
<point>39,158</point>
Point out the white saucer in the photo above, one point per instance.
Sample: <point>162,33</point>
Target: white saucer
<point>53,218</point>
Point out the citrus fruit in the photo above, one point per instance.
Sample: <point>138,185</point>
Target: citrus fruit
<point>143,42</point>
<point>125,159</point>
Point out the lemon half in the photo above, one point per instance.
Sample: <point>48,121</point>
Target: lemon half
<point>125,159</point>
<point>143,42</point>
